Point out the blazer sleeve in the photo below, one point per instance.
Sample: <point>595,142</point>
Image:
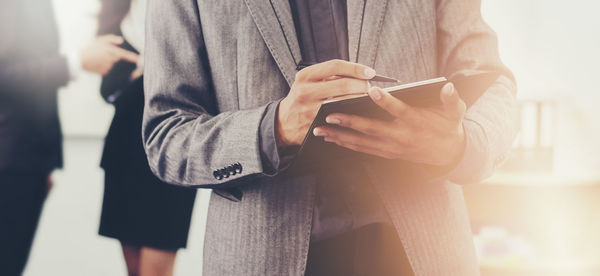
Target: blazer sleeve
<point>187,140</point>
<point>467,44</point>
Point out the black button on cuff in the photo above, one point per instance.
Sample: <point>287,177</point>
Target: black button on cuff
<point>225,173</point>
<point>217,175</point>
<point>237,167</point>
<point>228,171</point>
<point>231,170</point>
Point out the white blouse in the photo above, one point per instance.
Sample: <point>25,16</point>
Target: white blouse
<point>133,27</point>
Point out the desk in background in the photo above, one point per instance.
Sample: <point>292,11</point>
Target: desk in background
<point>559,217</point>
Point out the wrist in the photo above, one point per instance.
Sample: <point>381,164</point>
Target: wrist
<point>455,155</point>
<point>279,133</point>
<point>280,137</point>
<point>457,146</point>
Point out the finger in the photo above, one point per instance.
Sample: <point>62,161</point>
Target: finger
<point>453,105</point>
<point>344,136</point>
<point>367,150</point>
<point>363,125</point>
<point>332,78</point>
<point>381,130</point>
<point>113,39</point>
<point>389,103</point>
<point>123,54</point>
<point>113,55</point>
<point>354,141</point>
<point>337,87</point>
<point>335,67</point>
<point>448,95</point>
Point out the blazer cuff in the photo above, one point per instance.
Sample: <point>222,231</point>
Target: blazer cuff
<point>273,158</point>
<point>475,163</point>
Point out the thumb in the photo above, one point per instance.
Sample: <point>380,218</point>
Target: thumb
<point>126,55</point>
<point>113,39</point>
<point>448,96</point>
<point>454,107</point>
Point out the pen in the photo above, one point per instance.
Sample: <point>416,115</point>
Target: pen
<point>377,77</point>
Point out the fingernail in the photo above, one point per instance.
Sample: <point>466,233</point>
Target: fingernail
<point>375,94</point>
<point>449,88</point>
<point>319,132</point>
<point>369,73</point>
<point>332,120</point>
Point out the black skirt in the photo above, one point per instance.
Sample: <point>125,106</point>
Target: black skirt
<point>138,208</point>
<point>141,210</point>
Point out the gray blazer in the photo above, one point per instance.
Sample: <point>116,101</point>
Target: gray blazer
<point>212,67</point>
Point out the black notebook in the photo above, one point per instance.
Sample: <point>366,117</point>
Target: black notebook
<point>423,93</point>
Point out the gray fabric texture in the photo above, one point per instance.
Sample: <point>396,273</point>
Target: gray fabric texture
<point>345,198</point>
<point>212,67</point>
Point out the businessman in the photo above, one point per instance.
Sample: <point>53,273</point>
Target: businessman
<point>31,71</point>
<point>226,110</point>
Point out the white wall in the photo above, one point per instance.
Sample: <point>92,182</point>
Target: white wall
<point>82,110</point>
<point>552,46</point>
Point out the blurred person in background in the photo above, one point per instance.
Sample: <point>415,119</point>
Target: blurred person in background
<point>150,218</point>
<point>31,71</point>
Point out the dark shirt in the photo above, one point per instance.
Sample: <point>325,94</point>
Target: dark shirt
<point>346,199</point>
<point>321,27</point>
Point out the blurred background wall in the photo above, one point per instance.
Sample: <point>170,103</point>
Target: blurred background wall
<point>83,112</point>
<point>539,214</point>
<point>552,48</point>
<point>548,189</point>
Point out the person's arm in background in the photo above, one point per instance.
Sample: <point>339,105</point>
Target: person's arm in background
<point>35,74</point>
<point>31,75</point>
<point>101,54</point>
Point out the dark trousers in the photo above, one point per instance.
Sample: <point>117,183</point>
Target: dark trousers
<point>373,250</point>
<point>22,196</point>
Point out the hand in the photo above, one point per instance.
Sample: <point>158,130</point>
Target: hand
<point>138,72</point>
<point>312,86</point>
<point>103,52</point>
<point>432,136</point>
<point>49,184</point>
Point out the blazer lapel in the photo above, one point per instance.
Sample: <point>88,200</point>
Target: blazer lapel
<point>276,26</point>
<point>365,19</point>
<point>274,21</point>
